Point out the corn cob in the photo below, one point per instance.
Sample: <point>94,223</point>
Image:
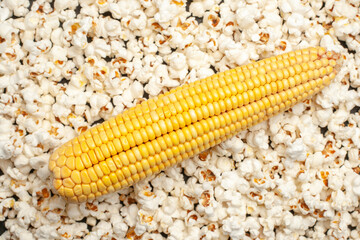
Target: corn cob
<point>163,131</point>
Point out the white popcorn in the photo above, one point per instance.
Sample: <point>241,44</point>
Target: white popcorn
<point>178,65</point>
<point>6,204</point>
<point>154,87</point>
<point>4,13</point>
<point>31,20</point>
<point>230,180</point>
<point>21,233</point>
<point>212,21</point>
<point>296,151</point>
<point>16,174</point>
<point>234,227</point>
<point>145,223</point>
<point>204,73</point>
<point>337,90</point>
<point>137,20</point>
<point>97,101</point>
<point>61,5</point>
<point>60,80</point>
<point>149,200</point>
<point>196,58</point>
<point>234,145</point>
<point>250,166</point>
<point>130,213</point>
<point>20,7</point>
<point>356,185</point>
<point>98,47</point>
<point>46,232</point>
<point>167,11</point>
<point>271,19</point>
<point>102,229</point>
<point>287,189</point>
<point>26,214</point>
<point>73,211</point>
<point>224,164</point>
<point>297,223</point>
<point>342,8</point>
<point>237,54</point>
<point>76,229</point>
<point>245,16</point>
<point>119,227</point>
<point>296,23</point>
<point>197,8</point>
<point>258,139</point>
<point>36,48</point>
<point>123,8</point>
<point>75,31</point>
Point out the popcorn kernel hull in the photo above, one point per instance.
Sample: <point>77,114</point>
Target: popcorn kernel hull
<point>161,132</point>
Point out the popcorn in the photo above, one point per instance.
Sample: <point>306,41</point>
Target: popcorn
<point>119,227</point>
<point>46,232</point>
<point>138,20</point>
<point>167,10</point>
<point>145,223</point>
<point>62,5</point>
<point>6,148</point>
<point>102,229</point>
<point>197,9</point>
<point>6,205</point>
<point>297,223</point>
<point>234,227</point>
<point>153,87</point>
<point>228,182</point>
<point>296,173</point>
<point>25,214</point>
<point>75,31</point>
<point>296,151</point>
<point>20,7</point>
<point>76,230</point>
<point>31,20</point>
<point>149,200</point>
<point>342,8</point>
<point>250,166</point>
<point>98,47</point>
<point>123,8</point>
<point>356,185</point>
<point>107,27</point>
<point>4,14</point>
<point>179,68</point>
<point>246,15</point>
<point>296,23</point>
<point>258,139</point>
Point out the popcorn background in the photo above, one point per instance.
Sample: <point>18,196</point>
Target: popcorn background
<point>66,65</point>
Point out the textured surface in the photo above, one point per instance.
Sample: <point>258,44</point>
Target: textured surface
<point>160,132</point>
<point>294,176</point>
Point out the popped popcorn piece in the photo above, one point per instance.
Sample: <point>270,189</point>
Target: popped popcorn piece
<point>167,10</point>
<point>296,151</point>
<point>258,139</point>
<point>356,185</point>
<point>234,145</point>
<point>6,147</point>
<point>234,227</point>
<point>98,47</point>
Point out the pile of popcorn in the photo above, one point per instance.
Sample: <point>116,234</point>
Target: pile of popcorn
<point>66,65</point>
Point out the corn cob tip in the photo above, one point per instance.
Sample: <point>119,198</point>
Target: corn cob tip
<point>335,59</point>
<point>161,132</point>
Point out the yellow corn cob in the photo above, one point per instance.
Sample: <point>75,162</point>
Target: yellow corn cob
<point>161,132</point>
